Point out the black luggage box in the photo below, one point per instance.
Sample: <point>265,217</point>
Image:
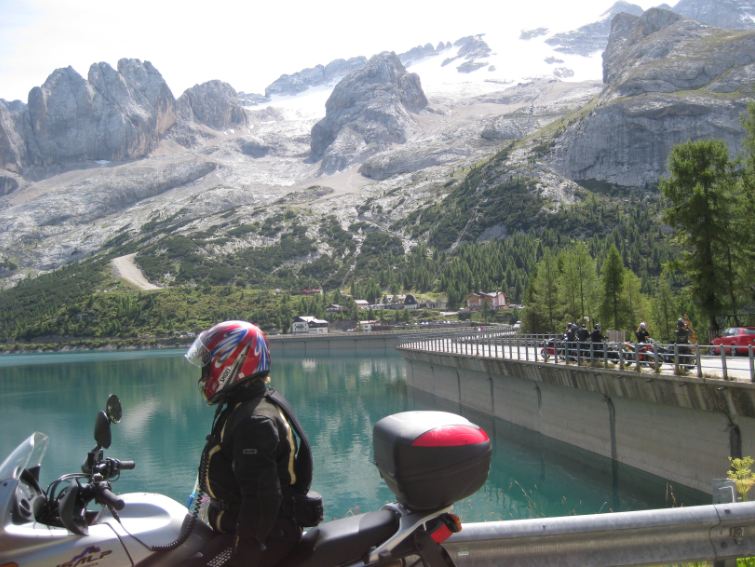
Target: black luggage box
<point>430,459</point>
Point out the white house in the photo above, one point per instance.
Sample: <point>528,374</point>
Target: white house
<point>303,324</point>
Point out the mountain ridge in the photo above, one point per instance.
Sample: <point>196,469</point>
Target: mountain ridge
<point>208,173</point>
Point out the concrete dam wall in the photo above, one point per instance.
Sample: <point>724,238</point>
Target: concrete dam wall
<point>334,343</point>
<point>680,428</point>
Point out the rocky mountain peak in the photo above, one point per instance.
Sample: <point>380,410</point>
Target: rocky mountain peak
<point>114,115</point>
<point>664,52</point>
<point>215,104</point>
<point>627,33</point>
<point>668,80</point>
<point>367,111</point>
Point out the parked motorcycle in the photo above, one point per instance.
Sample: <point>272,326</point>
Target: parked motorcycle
<point>429,460</point>
<point>645,354</point>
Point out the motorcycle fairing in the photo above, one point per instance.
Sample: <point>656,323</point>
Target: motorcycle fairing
<point>33,544</point>
<point>153,518</point>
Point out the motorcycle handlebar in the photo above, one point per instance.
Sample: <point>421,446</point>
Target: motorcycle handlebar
<point>127,465</point>
<point>105,496</point>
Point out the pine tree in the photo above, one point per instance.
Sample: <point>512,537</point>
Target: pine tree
<point>700,197</point>
<point>612,308</point>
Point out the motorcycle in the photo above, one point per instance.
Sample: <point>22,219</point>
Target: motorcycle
<point>576,351</point>
<point>429,459</point>
<point>648,353</point>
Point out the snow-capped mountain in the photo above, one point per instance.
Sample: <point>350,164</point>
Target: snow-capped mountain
<point>133,164</point>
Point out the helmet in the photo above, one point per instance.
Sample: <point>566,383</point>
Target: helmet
<point>643,325</point>
<point>229,353</point>
<point>597,326</point>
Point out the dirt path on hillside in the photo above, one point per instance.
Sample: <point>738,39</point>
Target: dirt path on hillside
<point>125,268</point>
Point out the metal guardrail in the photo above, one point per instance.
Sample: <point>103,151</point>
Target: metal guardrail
<point>660,537</point>
<point>679,359</point>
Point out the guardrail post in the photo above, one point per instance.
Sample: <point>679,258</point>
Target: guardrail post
<point>752,363</point>
<point>723,364</point>
<point>699,360</point>
<point>676,359</point>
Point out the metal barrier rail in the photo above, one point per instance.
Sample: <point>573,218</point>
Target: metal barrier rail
<point>698,533</point>
<point>679,359</point>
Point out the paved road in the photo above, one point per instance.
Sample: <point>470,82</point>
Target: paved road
<point>737,367</point>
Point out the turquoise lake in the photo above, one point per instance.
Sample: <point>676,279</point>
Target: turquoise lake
<point>337,398</point>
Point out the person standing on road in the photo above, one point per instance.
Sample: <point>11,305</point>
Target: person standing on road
<point>682,339</point>
<point>642,333</point>
<point>597,339</point>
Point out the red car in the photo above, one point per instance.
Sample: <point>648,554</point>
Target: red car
<point>739,337</point>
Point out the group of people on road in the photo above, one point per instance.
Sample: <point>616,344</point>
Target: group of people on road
<point>682,333</point>
<point>576,339</point>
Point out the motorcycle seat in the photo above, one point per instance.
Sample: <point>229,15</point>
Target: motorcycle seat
<point>343,541</point>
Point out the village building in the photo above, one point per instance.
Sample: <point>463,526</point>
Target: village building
<point>304,324</point>
<point>494,300</point>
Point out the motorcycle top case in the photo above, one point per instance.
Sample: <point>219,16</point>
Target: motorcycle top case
<point>431,459</point>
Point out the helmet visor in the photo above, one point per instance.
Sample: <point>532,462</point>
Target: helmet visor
<point>198,354</point>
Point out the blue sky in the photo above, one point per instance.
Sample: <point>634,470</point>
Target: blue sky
<point>248,45</point>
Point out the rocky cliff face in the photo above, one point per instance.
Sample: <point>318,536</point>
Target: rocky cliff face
<point>368,110</point>
<point>114,115</point>
<point>215,104</point>
<point>668,80</point>
<point>728,14</point>
<point>12,147</point>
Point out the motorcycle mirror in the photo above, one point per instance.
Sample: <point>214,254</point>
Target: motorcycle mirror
<point>113,409</point>
<point>102,430</point>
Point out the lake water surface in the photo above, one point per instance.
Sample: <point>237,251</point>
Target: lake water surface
<point>338,400</point>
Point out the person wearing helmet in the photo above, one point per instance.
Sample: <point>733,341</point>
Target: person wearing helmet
<point>596,336</point>
<point>682,331</point>
<point>252,467</point>
<point>642,333</point>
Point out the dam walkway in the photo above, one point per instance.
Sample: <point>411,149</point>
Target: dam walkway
<point>696,361</point>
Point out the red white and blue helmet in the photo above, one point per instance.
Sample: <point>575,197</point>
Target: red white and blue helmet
<point>228,354</point>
